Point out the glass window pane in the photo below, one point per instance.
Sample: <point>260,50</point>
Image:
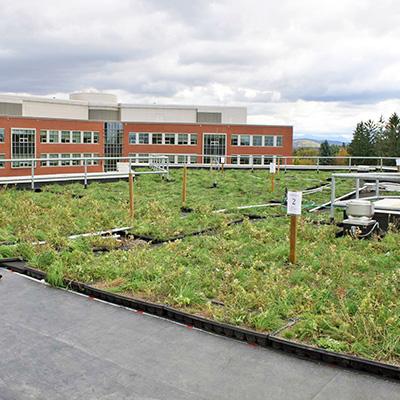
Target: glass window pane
<point>143,138</point>
<point>234,160</point>
<point>245,140</point>
<point>170,138</point>
<point>193,138</point>
<point>96,137</point>
<point>76,136</point>
<point>268,140</point>
<point>244,160</point>
<point>2,157</point>
<point>257,160</point>
<point>183,138</point>
<point>54,137</point>
<point>193,159</point>
<point>234,140</point>
<point>43,136</point>
<point>76,162</point>
<point>87,137</point>
<point>54,162</point>
<point>257,140</point>
<point>132,138</point>
<point>65,163</point>
<point>65,136</point>
<point>156,138</point>
<point>279,140</point>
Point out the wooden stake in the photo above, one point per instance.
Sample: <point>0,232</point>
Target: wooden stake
<point>222,167</point>
<point>279,165</point>
<point>184,186</point>
<point>272,182</point>
<point>293,236</point>
<point>131,196</point>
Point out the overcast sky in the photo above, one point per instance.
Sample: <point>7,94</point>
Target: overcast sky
<point>318,65</point>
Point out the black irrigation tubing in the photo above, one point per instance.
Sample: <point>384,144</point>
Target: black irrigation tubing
<point>246,335</point>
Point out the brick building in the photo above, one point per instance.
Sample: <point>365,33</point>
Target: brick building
<point>95,125</point>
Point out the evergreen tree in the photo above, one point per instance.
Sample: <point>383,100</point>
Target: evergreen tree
<point>362,144</point>
<point>390,141</point>
<point>325,151</point>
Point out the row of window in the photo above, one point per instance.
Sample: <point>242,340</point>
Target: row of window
<point>256,140</point>
<point>250,160</point>
<point>172,158</point>
<point>54,136</point>
<point>61,159</point>
<point>162,138</point>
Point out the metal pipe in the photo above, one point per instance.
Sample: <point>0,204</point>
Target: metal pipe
<point>333,196</point>
<point>357,188</point>
<point>85,177</point>
<point>33,175</point>
<point>377,188</point>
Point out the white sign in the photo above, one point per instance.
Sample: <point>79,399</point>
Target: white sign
<point>294,203</point>
<point>222,160</point>
<point>272,168</point>
<point>398,162</point>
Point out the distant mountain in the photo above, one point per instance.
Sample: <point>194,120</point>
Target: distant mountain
<point>313,143</point>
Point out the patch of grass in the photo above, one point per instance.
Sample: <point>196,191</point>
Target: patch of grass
<point>345,292</point>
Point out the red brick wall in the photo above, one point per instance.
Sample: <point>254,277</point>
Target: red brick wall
<point>57,124</point>
<point>285,131</point>
<point>98,148</point>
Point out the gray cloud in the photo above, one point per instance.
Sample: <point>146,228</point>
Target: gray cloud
<point>286,61</point>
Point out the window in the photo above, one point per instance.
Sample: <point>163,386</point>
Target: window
<point>245,140</point>
<point>234,160</point>
<point>279,140</point>
<point>96,137</point>
<point>244,160</point>
<point>1,135</point>
<point>257,140</point>
<point>132,138</point>
<point>43,136</point>
<point>171,158</point>
<point>182,159</point>
<point>65,163</point>
<point>170,138</point>
<point>143,158</point>
<point>268,160</point>
<point>65,136</point>
<point>156,138</point>
<point>87,155</point>
<point>43,163</point>
<point>95,162</point>
<point>2,157</point>
<point>53,137</point>
<point>257,160</point>
<point>76,137</point>
<point>193,138</point>
<point>235,140</point>
<point>268,140</point>
<point>53,160</point>
<point>87,137</point>
<point>183,138</point>
<point>23,146</point>
<point>76,162</point>
<point>143,138</point>
<point>193,159</point>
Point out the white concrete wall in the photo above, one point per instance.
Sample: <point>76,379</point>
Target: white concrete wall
<point>51,109</point>
<point>158,114</point>
<point>230,115</point>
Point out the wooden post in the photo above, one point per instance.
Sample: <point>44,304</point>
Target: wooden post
<point>293,236</point>
<point>279,164</point>
<point>184,186</point>
<point>131,195</point>
<point>222,167</point>
<point>272,182</point>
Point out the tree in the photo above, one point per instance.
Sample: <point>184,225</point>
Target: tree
<point>390,140</point>
<point>325,151</point>
<point>362,144</point>
<point>342,153</point>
